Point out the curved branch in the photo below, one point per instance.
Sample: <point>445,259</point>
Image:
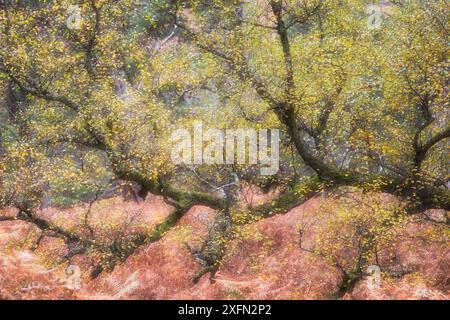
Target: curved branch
<point>422,150</point>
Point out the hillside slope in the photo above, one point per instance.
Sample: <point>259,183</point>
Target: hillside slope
<point>264,262</point>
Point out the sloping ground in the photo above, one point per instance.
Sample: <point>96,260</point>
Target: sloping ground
<point>22,274</point>
<point>264,262</point>
<point>270,267</point>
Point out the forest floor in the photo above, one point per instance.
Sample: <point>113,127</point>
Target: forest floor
<point>265,262</point>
